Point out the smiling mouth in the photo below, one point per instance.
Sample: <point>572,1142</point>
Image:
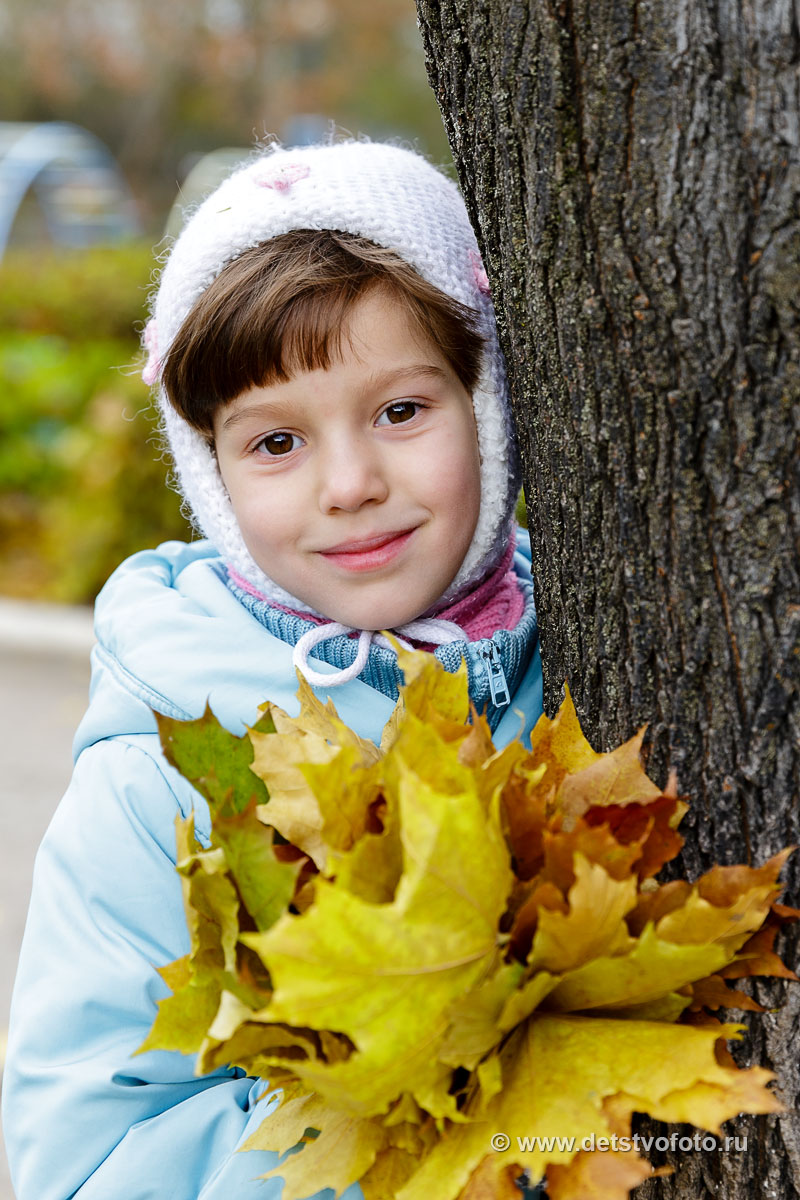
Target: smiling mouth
<point>367,554</point>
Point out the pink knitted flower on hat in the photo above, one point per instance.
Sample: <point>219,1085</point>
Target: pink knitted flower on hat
<point>479,273</point>
<point>152,368</point>
<point>282,178</point>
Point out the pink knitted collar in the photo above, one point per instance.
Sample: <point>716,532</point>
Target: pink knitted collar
<point>497,603</point>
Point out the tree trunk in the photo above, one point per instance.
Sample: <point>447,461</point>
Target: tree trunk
<point>633,173</point>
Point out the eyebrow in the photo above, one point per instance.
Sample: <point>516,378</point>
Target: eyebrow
<point>263,410</point>
<point>378,381</point>
<point>383,379</point>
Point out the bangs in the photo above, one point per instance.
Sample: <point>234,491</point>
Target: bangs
<point>306,334</point>
<point>283,307</point>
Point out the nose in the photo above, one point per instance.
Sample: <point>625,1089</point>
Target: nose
<point>352,476</point>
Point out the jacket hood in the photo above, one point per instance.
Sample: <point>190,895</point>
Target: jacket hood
<point>171,637</point>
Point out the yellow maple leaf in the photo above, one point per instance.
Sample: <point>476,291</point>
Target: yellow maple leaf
<point>257,1046</point>
<point>558,1072</point>
<point>725,906</point>
<point>419,749</point>
<point>650,968</point>
<point>710,1104</point>
<point>343,794</point>
<point>210,901</point>
<point>429,687</point>
<point>386,974</point>
<point>474,1017</point>
<point>490,767</point>
<point>521,1003</point>
<point>322,720</point>
<point>317,737</point>
<point>392,1168</point>
<point>372,868</point>
<point>615,778</point>
<point>560,745</point>
<point>292,808</point>
<point>593,926</point>
<point>341,1152</point>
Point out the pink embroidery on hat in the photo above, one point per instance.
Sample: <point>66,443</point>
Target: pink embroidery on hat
<point>282,178</point>
<point>152,368</point>
<point>479,273</point>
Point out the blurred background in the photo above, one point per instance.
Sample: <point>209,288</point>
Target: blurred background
<point>116,115</point>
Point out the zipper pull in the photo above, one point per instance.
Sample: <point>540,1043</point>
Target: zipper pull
<point>498,685</point>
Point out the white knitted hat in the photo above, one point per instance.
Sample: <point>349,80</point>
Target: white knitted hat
<point>394,198</point>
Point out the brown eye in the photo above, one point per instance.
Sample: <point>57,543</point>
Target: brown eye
<point>401,410</point>
<point>278,443</point>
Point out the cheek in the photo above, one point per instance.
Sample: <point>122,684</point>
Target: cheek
<point>265,513</point>
<point>447,482</point>
<point>458,477</point>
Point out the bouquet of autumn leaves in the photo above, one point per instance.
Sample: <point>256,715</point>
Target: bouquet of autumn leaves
<point>426,944</point>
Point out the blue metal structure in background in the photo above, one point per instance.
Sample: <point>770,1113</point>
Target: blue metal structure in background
<point>82,194</point>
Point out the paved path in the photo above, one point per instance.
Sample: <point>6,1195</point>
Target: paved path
<point>44,674</point>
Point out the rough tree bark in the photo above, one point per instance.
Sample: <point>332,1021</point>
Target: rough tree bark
<point>633,173</point>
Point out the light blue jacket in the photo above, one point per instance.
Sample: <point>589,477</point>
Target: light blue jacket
<point>84,1118</point>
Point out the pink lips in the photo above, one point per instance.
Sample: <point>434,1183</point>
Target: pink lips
<point>366,554</point>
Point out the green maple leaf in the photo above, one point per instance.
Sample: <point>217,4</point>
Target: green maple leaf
<point>265,885</point>
<point>214,760</point>
<point>184,1017</point>
<point>238,868</point>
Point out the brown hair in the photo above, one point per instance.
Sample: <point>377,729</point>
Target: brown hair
<point>283,306</point>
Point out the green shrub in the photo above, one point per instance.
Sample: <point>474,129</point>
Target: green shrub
<point>521,512</point>
<point>83,294</point>
<point>82,480</point>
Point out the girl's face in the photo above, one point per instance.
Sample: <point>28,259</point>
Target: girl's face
<point>357,488</point>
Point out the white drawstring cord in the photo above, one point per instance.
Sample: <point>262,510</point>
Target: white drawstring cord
<point>433,630</point>
<point>321,633</point>
<point>427,629</point>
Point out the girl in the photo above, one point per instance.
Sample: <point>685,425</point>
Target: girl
<point>334,398</point>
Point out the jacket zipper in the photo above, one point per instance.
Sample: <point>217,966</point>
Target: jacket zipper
<point>498,684</point>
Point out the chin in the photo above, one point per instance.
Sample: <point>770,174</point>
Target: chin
<point>389,620</point>
<point>376,626</point>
